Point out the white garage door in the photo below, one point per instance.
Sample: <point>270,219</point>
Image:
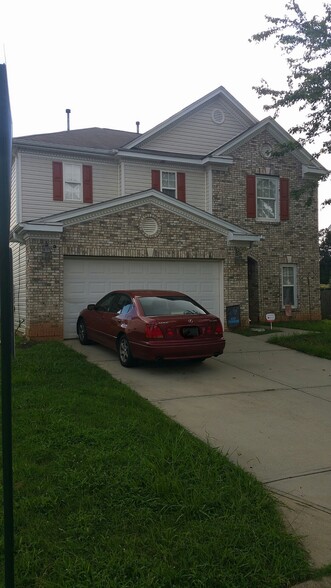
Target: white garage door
<point>86,280</point>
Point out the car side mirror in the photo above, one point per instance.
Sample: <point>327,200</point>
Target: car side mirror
<point>91,307</point>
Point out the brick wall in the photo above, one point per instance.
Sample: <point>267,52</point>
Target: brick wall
<point>44,302</point>
<point>115,235</point>
<point>293,241</point>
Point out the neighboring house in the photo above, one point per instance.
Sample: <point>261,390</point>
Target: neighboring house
<point>197,204</point>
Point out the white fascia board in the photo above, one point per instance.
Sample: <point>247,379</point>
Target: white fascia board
<point>240,238</point>
<point>227,160</point>
<point>24,145</point>
<point>56,222</point>
<point>17,234</point>
<point>53,228</point>
<point>306,169</point>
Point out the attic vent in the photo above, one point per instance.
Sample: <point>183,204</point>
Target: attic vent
<point>149,226</point>
<point>218,116</point>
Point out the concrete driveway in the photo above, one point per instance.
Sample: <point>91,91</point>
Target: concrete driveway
<point>268,408</point>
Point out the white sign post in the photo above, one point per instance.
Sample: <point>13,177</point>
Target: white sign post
<point>270,317</point>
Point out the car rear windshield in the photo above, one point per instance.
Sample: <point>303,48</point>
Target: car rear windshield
<point>169,305</point>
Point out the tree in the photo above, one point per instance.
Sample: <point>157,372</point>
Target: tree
<point>325,255</point>
<point>307,45</point>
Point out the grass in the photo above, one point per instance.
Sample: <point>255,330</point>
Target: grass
<point>254,331</point>
<point>323,326</point>
<point>317,341</point>
<point>111,493</point>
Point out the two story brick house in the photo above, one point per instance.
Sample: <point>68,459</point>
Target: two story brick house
<point>199,204</point>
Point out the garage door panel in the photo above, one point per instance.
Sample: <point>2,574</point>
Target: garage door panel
<point>87,280</point>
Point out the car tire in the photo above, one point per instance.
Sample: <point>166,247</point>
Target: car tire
<point>82,332</point>
<point>124,352</point>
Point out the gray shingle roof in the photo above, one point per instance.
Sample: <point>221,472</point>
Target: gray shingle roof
<point>94,138</point>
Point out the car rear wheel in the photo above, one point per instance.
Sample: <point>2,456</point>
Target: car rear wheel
<point>124,352</point>
<point>82,333</point>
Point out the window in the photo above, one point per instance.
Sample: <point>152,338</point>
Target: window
<point>106,303</point>
<point>267,198</point>
<point>72,182</point>
<point>168,183</point>
<point>289,286</point>
<point>171,183</point>
<point>114,302</point>
<point>169,305</point>
<point>72,177</point>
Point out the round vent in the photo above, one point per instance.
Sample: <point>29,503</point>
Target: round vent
<point>266,150</point>
<point>149,226</point>
<point>218,116</point>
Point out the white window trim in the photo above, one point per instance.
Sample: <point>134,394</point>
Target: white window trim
<point>168,171</point>
<point>276,218</point>
<point>295,285</point>
<point>80,183</point>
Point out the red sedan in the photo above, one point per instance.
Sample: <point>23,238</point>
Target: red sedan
<point>151,325</point>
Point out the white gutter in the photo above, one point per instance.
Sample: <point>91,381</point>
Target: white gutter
<point>175,158</point>
<point>51,147</point>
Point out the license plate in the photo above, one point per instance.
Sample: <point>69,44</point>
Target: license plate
<point>188,332</point>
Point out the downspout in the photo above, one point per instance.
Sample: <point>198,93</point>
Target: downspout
<point>122,178</point>
<point>209,190</point>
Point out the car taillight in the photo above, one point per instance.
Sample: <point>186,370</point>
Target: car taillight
<point>218,329</point>
<point>153,332</point>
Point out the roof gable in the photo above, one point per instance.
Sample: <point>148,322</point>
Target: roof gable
<point>56,222</point>
<point>280,135</point>
<point>212,105</point>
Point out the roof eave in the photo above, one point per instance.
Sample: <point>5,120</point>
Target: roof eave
<point>51,147</point>
<point>205,160</point>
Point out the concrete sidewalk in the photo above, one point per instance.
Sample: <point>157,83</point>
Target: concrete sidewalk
<point>268,408</point>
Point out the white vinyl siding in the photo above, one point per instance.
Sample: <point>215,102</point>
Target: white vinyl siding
<point>19,281</point>
<point>138,178</point>
<point>198,133</point>
<point>86,280</point>
<point>37,185</point>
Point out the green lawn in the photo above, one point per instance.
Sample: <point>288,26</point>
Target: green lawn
<point>316,342</point>
<point>110,493</point>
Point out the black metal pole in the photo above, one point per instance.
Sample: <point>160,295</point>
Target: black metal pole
<point>6,325</point>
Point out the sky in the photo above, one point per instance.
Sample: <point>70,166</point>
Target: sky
<point>115,62</point>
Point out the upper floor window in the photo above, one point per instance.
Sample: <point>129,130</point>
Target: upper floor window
<point>267,191</point>
<point>72,178</point>
<point>267,198</point>
<point>171,183</point>
<point>72,182</point>
<point>168,183</point>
